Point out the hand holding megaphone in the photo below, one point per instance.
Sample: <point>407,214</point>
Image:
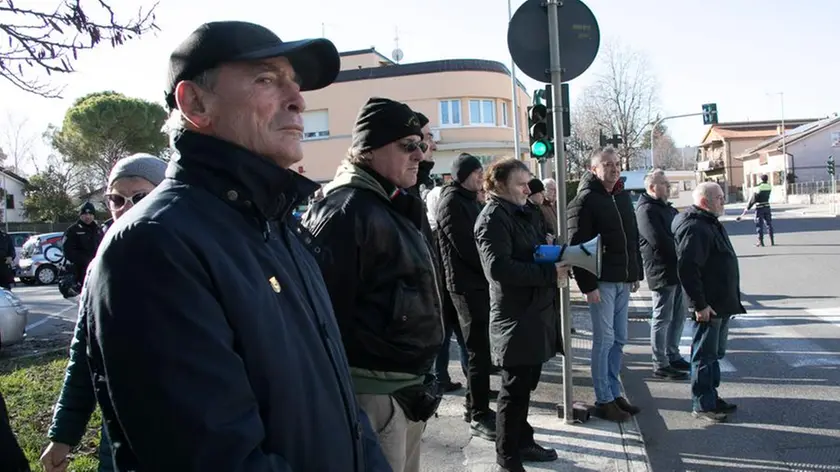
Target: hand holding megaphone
<point>587,255</point>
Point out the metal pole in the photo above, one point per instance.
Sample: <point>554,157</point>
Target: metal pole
<point>5,200</point>
<point>515,100</point>
<point>560,177</point>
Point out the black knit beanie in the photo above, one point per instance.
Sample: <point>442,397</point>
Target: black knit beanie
<point>382,121</point>
<point>463,166</point>
<point>535,186</point>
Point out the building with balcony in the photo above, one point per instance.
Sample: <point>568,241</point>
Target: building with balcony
<point>795,162</point>
<point>468,103</point>
<point>723,142</point>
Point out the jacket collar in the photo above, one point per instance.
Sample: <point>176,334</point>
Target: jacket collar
<point>460,190</point>
<point>510,207</point>
<point>238,176</point>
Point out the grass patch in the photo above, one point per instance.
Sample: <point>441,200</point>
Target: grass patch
<point>31,387</point>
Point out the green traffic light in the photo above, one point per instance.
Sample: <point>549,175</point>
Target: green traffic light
<point>539,149</point>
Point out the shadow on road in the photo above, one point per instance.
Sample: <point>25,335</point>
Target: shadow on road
<point>784,225</point>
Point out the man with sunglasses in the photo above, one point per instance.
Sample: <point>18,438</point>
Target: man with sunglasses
<point>381,277</point>
<point>81,240</point>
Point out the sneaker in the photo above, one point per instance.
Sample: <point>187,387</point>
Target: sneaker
<point>681,364</point>
<point>484,425</point>
<point>611,412</point>
<point>724,406</point>
<point>537,453</point>
<point>669,373</point>
<point>710,416</point>
<point>626,406</point>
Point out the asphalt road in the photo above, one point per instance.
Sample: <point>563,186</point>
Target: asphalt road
<point>782,367</point>
<point>51,319</point>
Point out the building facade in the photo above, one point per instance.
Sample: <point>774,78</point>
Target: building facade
<point>797,163</point>
<point>13,186</point>
<point>723,142</point>
<point>467,101</point>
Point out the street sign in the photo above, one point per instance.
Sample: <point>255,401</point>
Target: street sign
<point>528,41</point>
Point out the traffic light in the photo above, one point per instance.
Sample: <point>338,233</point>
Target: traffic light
<point>541,126</point>
<point>831,165</point>
<point>710,114</point>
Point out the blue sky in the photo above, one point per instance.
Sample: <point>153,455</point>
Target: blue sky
<point>734,53</point>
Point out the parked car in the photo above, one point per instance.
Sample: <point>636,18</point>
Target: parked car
<point>41,259</point>
<point>13,317</point>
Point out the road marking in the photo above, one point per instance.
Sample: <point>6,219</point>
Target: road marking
<point>50,317</point>
<point>796,352</point>
<point>829,315</point>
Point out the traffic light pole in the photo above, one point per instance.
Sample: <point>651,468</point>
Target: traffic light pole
<point>659,122</point>
<point>560,177</point>
<point>514,100</point>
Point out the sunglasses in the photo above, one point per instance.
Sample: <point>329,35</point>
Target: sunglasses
<point>117,201</point>
<point>413,146</point>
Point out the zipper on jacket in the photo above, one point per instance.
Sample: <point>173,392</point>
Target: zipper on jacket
<point>624,235</point>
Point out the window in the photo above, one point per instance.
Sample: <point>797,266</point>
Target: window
<point>505,115</point>
<point>450,112</point>
<point>10,201</point>
<point>316,124</point>
<point>483,112</point>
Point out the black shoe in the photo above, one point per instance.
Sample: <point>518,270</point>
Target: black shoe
<point>537,453</point>
<point>710,416</point>
<point>483,425</point>
<point>509,468</point>
<point>681,364</point>
<point>759,244</point>
<point>449,387</point>
<point>723,406</point>
<point>495,370</point>
<point>669,373</point>
<point>622,403</point>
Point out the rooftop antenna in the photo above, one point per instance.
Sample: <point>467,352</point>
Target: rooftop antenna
<point>397,54</point>
<point>323,30</point>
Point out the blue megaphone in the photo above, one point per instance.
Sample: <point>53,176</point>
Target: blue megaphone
<point>587,255</point>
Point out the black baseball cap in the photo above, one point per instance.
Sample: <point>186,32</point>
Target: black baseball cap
<point>316,61</point>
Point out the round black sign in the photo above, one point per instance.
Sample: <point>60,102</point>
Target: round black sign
<point>580,39</point>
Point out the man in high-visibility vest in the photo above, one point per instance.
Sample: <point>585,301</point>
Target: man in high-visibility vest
<point>761,200</point>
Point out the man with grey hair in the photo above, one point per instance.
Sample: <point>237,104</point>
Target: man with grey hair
<point>231,358</point>
<point>654,215</point>
<point>548,207</point>
<point>708,270</point>
<point>602,206</point>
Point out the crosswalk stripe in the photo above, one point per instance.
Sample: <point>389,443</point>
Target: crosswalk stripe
<point>795,352</point>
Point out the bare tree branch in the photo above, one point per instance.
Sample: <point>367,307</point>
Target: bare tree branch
<point>16,141</point>
<point>50,40</point>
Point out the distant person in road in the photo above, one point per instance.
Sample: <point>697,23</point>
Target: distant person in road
<point>81,241</point>
<point>708,270</point>
<point>549,205</point>
<point>381,276</point>
<point>654,215</point>
<point>523,307</point>
<point>131,179</point>
<point>212,340</point>
<point>763,214</point>
<point>602,206</point>
<point>7,260</point>
<point>467,286</point>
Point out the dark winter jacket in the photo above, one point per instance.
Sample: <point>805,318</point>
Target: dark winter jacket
<point>523,311</point>
<point>457,213</point>
<point>7,249</point>
<point>381,278</point>
<point>80,243</point>
<point>656,241</point>
<point>706,262</point>
<point>595,211</point>
<point>228,357</point>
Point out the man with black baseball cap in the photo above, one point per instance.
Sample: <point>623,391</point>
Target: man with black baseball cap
<point>381,278</point>
<point>219,349</point>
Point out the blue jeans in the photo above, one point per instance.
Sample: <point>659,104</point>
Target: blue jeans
<point>707,349</point>
<point>106,460</point>
<point>666,327</point>
<point>609,335</point>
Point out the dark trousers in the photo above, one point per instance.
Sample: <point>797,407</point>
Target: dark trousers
<point>513,432</point>
<point>763,216</point>
<point>474,316</point>
<point>707,349</point>
<point>450,326</point>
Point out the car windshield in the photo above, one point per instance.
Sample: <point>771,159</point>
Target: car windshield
<point>30,248</point>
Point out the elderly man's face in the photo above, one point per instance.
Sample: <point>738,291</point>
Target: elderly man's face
<point>256,105</point>
<point>550,191</point>
<point>429,139</point>
<point>398,161</point>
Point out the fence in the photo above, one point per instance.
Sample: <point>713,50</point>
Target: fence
<point>37,228</point>
<point>810,188</point>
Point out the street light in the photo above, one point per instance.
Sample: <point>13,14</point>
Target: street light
<point>784,134</point>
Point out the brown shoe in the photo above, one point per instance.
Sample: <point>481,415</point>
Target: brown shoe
<point>626,406</point>
<point>611,412</point>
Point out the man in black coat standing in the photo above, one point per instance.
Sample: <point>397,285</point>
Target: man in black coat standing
<point>654,215</point>
<point>81,241</point>
<point>602,206</point>
<point>457,213</point>
<point>708,270</point>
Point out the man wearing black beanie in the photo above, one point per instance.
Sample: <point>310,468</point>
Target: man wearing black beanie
<point>456,216</point>
<point>381,278</point>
